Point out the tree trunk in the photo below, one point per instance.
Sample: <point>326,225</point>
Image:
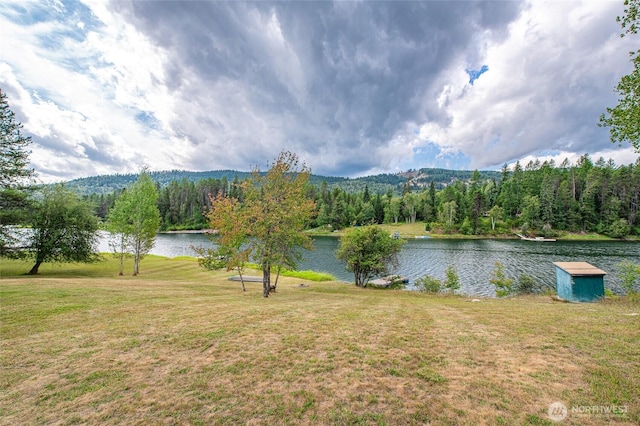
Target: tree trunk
<point>275,284</point>
<point>121,255</point>
<point>358,279</point>
<point>136,260</point>
<point>241,279</point>
<point>266,279</point>
<point>34,270</point>
<point>121,264</point>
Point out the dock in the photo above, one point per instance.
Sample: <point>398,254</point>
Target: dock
<point>539,239</point>
<point>387,282</point>
<point>246,278</point>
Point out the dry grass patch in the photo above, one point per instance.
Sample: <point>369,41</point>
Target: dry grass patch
<point>179,345</point>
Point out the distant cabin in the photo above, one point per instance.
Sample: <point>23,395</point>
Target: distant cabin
<point>579,281</point>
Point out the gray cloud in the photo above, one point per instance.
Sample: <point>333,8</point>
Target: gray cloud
<point>352,87</point>
<point>322,78</point>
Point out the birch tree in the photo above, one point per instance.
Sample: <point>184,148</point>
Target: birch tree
<point>135,220</point>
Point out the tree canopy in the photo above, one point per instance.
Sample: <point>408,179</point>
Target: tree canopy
<point>15,176</point>
<point>231,234</point>
<point>368,251</point>
<point>134,221</point>
<point>64,229</point>
<point>268,223</point>
<point>624,119</point>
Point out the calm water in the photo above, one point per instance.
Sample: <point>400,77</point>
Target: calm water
<point>474,260</point>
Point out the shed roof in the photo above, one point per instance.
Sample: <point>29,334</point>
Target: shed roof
<point>579,268</point>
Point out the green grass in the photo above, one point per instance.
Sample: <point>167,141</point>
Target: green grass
<point>305,275</point>
<point>181,345</point>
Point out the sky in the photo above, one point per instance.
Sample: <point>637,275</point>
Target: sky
<point>354,88</point>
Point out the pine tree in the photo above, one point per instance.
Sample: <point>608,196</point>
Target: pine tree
<point>15,176</point>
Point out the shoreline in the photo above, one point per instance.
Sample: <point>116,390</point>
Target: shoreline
<point>564,238</point>
<point>190,231</point>
<point>412,235</point>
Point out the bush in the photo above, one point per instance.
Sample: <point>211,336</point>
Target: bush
<point>465,228</point>
<point>526,285</point>
<point>618,229</point>
<point>548,231</point>
<point>428,284</point>
<point>503,285</point>
<point>451,281</point>
<point>629,277</point>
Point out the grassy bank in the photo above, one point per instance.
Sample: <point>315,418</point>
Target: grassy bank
<point>180,345</point>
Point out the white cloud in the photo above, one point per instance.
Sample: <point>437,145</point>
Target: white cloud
<point>81,97</point>
<point>544,88</point>
<point>353,88</point>
<point>620,156</point>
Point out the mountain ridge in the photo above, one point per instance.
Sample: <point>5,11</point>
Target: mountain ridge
<point>380,183</point>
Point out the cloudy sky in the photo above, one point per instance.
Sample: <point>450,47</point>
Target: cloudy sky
<point>353,87</point>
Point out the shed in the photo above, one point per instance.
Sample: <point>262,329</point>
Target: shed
<point>579,281</point>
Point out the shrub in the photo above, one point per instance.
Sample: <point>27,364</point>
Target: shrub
<point>451,281</point>
<point>618,229</point>
<point>526,285</point>
<point>465,228</point>
<point>629,276</point>
<point>548,231</point>
<point>503,284</point>
<point>428,284</point>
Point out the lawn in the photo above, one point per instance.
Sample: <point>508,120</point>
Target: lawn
<point>181,345</point>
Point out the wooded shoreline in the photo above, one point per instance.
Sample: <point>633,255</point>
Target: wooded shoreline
<point>410,235</point>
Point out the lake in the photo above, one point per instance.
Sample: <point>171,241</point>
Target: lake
<point>474,260</point>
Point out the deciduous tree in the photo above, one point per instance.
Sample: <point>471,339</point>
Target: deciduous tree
<point>135,219</point>
<point>64,229</point>
<point>624,119</point>
<point>268,225</point>
<point>368,251</point>
<point>448,214</point>
<point>495,214</point>
<point>278,209</point>
<point>229,222</point>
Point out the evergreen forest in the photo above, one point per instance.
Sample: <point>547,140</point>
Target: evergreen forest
<point>541,199</point>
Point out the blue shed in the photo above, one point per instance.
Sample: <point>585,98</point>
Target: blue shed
<point>579,281</point>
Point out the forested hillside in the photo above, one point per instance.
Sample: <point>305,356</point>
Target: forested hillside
<point>538,199</point>
<point>107,184</point>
